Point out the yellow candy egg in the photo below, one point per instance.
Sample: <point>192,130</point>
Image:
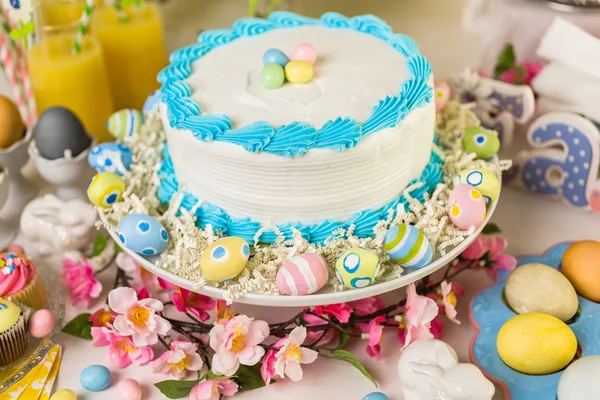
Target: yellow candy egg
<point>64,394</point>
<point>225,258</point>
<point>536,344</point>
<point>105,189</point>
<point>357,267</point>
<point>298,71</point>
<point>485,181</point>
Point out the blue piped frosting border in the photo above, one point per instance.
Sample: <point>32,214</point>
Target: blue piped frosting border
<point>363,222</point>
<point>296,138</point>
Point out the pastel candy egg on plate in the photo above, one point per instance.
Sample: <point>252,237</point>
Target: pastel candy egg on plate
<point>408,246</point>
<point>302,275</point>
<point>105,189</point>
<point>143,234</point>
<point>125,122</point>
<point>304,52</point>
<point>299,71</point>
<point>466,207</point>
<point>64,394</point>
<point>442,94</point>
<point>41,323</point>
<point>95,378</point>
<point>129,389</point>
<point>272,76</point>
<point>111,157</point>
<point>275,56</point>
<point>357,267</point>
<point>484,143</point>
<point>225,258</point>
<point>484,180</point>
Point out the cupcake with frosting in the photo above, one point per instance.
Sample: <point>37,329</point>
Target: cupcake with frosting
<point>13,331</point>
<point>19,280</point>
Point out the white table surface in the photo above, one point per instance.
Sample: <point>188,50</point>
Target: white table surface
<point>530,223</point>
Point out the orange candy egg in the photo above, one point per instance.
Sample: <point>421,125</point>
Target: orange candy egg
<point>11,128</point>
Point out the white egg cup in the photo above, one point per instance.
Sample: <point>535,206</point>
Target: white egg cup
<point>7,231</point>
<point>21,191</point>
<point>69,174</point>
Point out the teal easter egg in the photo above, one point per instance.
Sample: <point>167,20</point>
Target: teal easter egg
<point>299,71</point>
<point>484,143</point>
<point>105,189</point>
<point>357,267</point>
<point>124,123</point>
<point>376,396</point>
<point>486,182</point>
<point>143,234</point>
<point>95,378</point>
<point>225,258</point>
<point>272,76</point>
<point>408,246</point>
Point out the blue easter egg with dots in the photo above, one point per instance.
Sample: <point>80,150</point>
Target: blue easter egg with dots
<point>151,103</point>
<point>95,378</point>
<point>376,396</point>
<point>111,157</point>
<point>275,56</point>
<point>357,267</point>
<point>143,234</point>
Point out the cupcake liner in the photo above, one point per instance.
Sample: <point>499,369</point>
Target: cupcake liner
<point>13,342</point>
<point>32,295</point>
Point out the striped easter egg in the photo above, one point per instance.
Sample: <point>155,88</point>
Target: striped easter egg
<point>302,275</point>
<point>125,122</point>
<point>408,246</point>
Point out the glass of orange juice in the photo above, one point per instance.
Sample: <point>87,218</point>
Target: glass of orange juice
<point>133,42</point>
<point>60,77</point>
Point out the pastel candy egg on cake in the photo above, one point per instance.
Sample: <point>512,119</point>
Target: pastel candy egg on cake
<point>484,180</point>
<point>484,143</point>
<point>466,207</point>
<point>272,76</point>
<point>408,246</point>
<point>299,71</point>
<point>275,56</point>
<point>225,258</point>
<point>304,52</point>
<point>105,189</point>
<point>125,122</point>
<point>302,275</point>
<point>111,157</point>
<point>357,267</point>
<point>143,234</point>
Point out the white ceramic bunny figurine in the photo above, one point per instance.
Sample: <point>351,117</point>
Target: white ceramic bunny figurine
<point>429,370</point>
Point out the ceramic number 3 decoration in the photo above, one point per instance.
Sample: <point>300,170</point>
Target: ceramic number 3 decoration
<point>565,162</point>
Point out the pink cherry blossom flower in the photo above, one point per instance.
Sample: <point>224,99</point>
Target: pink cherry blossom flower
<point>523,74</point>
<point>79,279</point>
<point>197,304</point>
<point>341,311</point>
<point>102,317</point>
<point>449,300</point>
<point>137,317</point>
<point>180,362</point>
<point>237,343</point>
<point>212,390</point>
<point>267,368</point>
<point>419,313</point>
<point>437,328</point>
<point>122,351</point>
<point>367,306</point>
<point>317,337</point>
<point>223,312</point>
<point>375,334</point>
<point>291,355</point>
<point>487,253</point>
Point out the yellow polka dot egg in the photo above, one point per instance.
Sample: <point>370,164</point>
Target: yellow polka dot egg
<point>225,258</point>
<point>357,267</point>
<point>484,180</point>
<point>105,189</point>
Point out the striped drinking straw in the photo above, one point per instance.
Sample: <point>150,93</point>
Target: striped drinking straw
<point>83,26</point>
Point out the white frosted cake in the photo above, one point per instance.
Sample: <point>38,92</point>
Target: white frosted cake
<point>335,152</point>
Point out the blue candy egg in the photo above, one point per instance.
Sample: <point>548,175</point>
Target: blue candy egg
<point>151,103</point>
<point>111,157</point>
<point>275,56</point>
<point>95,378</point>
<point>376,396</point>
<point>143,234</point>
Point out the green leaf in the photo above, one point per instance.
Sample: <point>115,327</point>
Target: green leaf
<point>99,245</point>
<point>80,327</point>
<point>506,60</point>
<point>29,28</point>
<point>250,378</point>
<point>491,229</point>
<point>343,355</point>
<point>211,376</point>
<point>175,389</point>
<point>344,338</point>
<point>16,34</point>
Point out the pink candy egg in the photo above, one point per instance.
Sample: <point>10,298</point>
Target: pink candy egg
<point>466,207</point>
<point>41,323</point>
<point>129,389</point>
<point>14,248</point>
<point>442,94</point>
<point>304,52</point>
<point>302,275</point>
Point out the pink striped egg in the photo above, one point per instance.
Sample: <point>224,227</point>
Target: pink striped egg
<point>302,275</point>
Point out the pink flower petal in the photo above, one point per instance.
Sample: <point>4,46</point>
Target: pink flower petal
<point>121,299</point>
<point>308,356</point>
<point>152,304</point>
<point>293,370</point>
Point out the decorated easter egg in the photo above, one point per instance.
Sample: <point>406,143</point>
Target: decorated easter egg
<point>41,323</point>
<point>581,266</point>
<point>105,189</point>
<point>536,344</point>
<point>442,94</point>
<point>408,246</point>
<point>225,258</point>
<point>580,380</point>
<point>151,103</point>
<point>357,267</point>
<point>111,157</point>
<point>143,234</point>
<point>376,396</point>
<point>64,394</point>
<point>304,52</point>
<point>95,378</point>
<point>540,288</point>
<point>275,56</point>
<point>302,275</point>
<point>272,76</point>
<point>485,181</point>
<point>12,128</point>
<point>298,71</point>
<point>129,389</point>
<point>125,122</point>
<point>484,143</point>
<point>466,207</point>
<point>58,130</point>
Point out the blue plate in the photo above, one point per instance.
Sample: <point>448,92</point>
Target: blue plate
<point>488,312</point>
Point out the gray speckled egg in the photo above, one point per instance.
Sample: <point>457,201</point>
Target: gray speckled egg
<point>57,130</point>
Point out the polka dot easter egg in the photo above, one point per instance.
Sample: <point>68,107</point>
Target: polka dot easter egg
<point>111,157</point>
<point>357,267</point>
<point>442,94</point>
<point>225,258</point>
<point>105,189</point>
<point>484,143</point>
<point>466,207</point>
<point>408,246</point>
<point>485,181</point>
<point>143,234</point>
<point>302,275</point>
<point>125,122</point>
